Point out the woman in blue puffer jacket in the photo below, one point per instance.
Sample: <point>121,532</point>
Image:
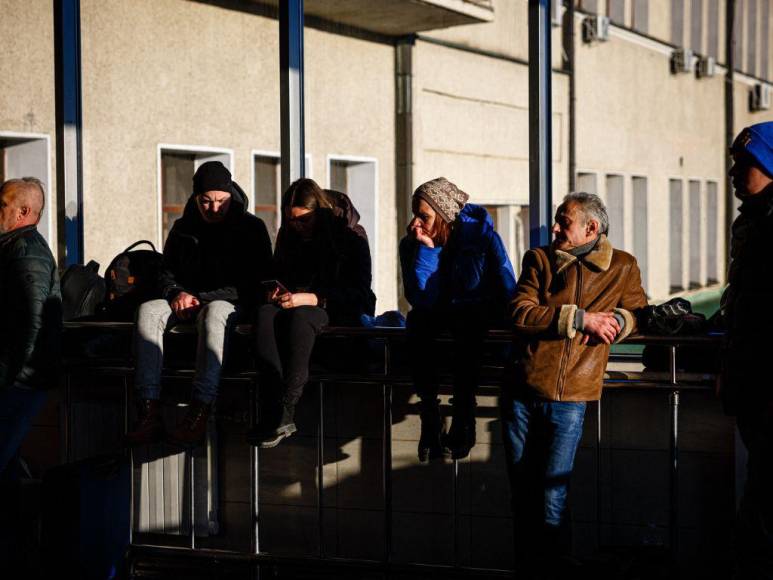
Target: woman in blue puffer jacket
<point>459,280</point>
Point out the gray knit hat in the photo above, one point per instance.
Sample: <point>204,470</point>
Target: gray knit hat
<point>444,197</point>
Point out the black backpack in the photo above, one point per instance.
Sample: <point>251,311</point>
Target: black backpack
<point>83,291</point>
<point>673,318</point>
<point>131,279</point>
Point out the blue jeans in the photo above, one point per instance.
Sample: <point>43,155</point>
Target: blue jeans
<point>541,439</point>
<point>18,408</point>
<point>154,318</point>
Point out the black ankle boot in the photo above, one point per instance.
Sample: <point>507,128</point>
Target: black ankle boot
<point>275,425</point>
<point>430,446</point>
<point>461,435</point>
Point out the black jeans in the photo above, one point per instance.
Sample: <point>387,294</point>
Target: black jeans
<point>754,525</point>
<point>285,339</point>
<point>467,325</point>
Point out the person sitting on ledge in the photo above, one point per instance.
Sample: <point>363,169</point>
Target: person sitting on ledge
<point>323,267</point>
<point>214,259</point>
<point>458,279</point>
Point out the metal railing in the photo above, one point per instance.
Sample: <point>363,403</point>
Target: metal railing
<point>386,375</point>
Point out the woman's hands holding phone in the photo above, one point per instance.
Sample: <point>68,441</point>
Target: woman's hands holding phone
<point>293,300</point>
<point>277,294</point>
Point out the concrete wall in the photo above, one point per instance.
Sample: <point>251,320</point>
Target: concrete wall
<point>471,115</point>
<point>351,113</point>
<point>475,131</point>
<point>506,35</point>
<point>678,134</point>
<point>210,78</point>
<point>743,115</point>
<point>27,105</point>
<point>206,76</point>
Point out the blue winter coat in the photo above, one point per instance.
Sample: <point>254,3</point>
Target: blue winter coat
<point>472,268</point>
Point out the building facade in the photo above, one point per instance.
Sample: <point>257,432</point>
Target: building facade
<point>397,93</point>
<point>394,99</point>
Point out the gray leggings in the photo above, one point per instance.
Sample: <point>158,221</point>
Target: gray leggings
<point>155,317</point>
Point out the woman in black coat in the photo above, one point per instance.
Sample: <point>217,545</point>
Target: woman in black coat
<point>323,267</point>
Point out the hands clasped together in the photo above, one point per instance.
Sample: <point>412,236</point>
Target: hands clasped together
<point>600,327</point>
<point>185,305</point>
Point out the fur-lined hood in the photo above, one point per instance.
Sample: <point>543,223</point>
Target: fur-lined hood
<point>599,258</point>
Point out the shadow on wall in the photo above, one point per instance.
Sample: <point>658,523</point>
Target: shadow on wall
<point>423,496</point>
<point>625,482</point>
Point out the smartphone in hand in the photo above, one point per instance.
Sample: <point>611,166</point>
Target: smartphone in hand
<point>274,288</point>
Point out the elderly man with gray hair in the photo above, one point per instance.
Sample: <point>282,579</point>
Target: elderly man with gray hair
<point>32,317</point>
<point>574,298</point>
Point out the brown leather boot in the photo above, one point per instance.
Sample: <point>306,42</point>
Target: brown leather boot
<point>193,427</point>
<point>149,428</point>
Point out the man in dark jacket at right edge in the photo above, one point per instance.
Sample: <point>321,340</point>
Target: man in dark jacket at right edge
<point>214,260</point>
<point>746,311</point>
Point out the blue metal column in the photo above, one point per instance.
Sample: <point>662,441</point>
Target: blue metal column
<point>291,90</point>
<point>730,41</point>
<point>69,145</point>
<point>540,123</point>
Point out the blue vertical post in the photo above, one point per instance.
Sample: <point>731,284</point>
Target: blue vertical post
<point>291,90</point>
<point>540,123</point>
<point>69,145</point>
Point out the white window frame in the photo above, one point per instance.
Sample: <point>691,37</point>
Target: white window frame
<point>626,207</point>
<point>162,148</point>
<point>702,246</point>
<point>274,155</point>
<point>509,207</point>
<point>578,175</point>
<point>719,240</point>
<point>684,257</point>
<point>631,199</point>
<point>48,185</point>
<point>374,259</point>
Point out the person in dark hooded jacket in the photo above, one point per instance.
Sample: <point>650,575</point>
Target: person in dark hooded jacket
<point>214,259</point>
<point>458,278</point>
<point>323,267</point>
<point>748,344</point>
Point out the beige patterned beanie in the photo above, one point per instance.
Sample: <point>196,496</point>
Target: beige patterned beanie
<point>444,197</point>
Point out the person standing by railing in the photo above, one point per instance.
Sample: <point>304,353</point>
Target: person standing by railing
<point>30,327</point>
<point>458,279</point>
<point>745,311</point>
<point>323,269</point>
<point>574,298</point>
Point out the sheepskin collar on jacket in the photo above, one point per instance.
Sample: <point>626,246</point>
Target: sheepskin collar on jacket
<point>599,258</point>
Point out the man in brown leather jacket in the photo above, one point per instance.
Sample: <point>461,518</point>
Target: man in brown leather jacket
<point>574,298</point>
